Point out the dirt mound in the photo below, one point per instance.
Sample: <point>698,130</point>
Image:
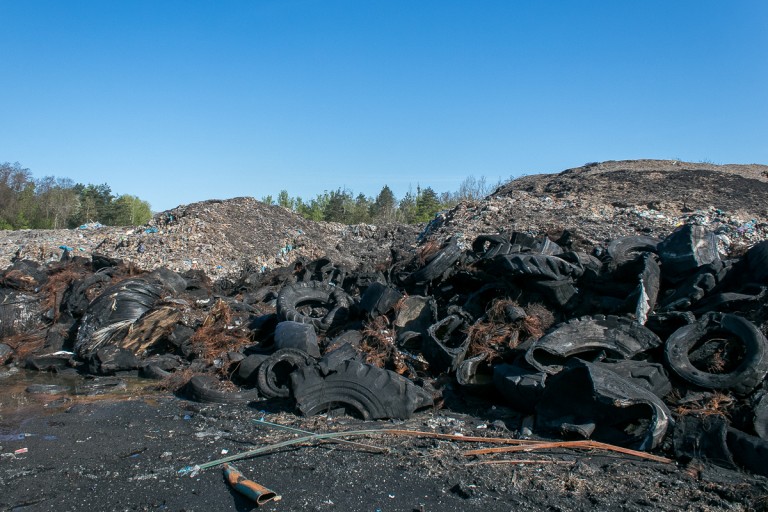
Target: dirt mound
<point>602,201</point>
<point>739,189</point>
<point>221,237</point>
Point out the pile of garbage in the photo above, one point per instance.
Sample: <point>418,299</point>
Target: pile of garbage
<point>222,238</point>
<point>645,343</point>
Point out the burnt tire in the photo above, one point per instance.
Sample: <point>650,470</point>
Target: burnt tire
<point>331,298</point>
<point>439,263</point>
<point>203,388</point>
<point>153,371</point>
<point>743,378</point>
<point>272,374</point>
<point>750,452</point>
<point>629,248</point>
<point>618,337</point>
<point>537,266</point>
<point>297,335</point>
<point>373,392</point>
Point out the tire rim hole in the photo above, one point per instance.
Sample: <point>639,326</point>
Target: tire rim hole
<point>313,309</point>
<point>717,353</point>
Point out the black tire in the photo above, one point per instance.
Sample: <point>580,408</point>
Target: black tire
<point>539,266</point>
<point>446,344</point>
<point>629,248</point>
<point>521,387</point>
<point>373,392</point>
<point>619,337</point>
<point>202,388</point>
<point>272,376</point>
<point>438,265</point>
<point>744,378</point>
<point>488,246</point>
<point>750,452</point>
<point>297,335</point>
<point>248,368</point>
<point>756,259</point>
<point>332,298</point>
<point>153,371</point>
<point>686,249</point>
<point>379,299</point>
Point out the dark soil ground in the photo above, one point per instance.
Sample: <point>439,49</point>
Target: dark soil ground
<point>124,452</point>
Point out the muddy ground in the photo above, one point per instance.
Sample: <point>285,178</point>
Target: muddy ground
<point>123,451</point>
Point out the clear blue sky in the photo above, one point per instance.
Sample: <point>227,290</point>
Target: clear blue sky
<point>181,101</point>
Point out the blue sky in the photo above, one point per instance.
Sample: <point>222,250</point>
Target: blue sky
<point>181,101</point>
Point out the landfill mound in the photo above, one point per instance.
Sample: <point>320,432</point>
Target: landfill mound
<point>601,201</point>
<point>222,238</point>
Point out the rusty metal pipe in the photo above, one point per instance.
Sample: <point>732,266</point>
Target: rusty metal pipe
<point>249,488</point>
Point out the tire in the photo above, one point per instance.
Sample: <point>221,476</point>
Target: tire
<point>379,299</point>
<point>373,392</point>
<point>539,266</point>
<point>270,379</point>
<point>686,249</point>
<point>757,262</point>
<point>294,296</point>
<point>446,344</point>
<point>521,387</point>
<point>488,246</point>
<point>744,378</point>
<point>629,248</point>
<point>202,388</point>
<point>438,265</point>
<point>620,337</point>
<point>750,452</point>
<point>153,371</point>
<point>297,335</point>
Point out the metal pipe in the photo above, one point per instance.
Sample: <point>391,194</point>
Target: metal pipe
<point>248,488</point>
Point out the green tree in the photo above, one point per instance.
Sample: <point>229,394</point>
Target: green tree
<point>406,210</point>
<point>339,207</point>
<point>14,182</point>
<point>384,207</point>
<point>314,209</point>
<point>361,210</point>
<point>286,201</point>
<point>427,205</point>
<point>131,211</point>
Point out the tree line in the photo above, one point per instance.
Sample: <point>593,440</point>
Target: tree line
<point>342,205</point>
<point>53,203</point>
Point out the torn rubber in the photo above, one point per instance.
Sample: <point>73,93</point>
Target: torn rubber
<point>374,393</point>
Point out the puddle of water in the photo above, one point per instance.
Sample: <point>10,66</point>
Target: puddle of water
<point>15,397</point>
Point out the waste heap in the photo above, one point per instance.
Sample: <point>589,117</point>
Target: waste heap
<point>646,343</point>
